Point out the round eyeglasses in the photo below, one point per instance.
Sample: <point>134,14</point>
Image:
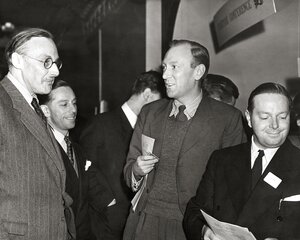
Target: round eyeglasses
<point>48,62</point>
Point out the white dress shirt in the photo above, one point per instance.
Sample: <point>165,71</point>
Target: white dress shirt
<point>20,85</point>
<point>269,153</point>
<point>131,116</point>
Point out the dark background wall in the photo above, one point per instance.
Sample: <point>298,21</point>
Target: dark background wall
<point>123,51</point>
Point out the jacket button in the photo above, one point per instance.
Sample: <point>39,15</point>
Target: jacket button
<point>279,219</point>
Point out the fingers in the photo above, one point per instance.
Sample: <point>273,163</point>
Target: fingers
<point>144,165</point>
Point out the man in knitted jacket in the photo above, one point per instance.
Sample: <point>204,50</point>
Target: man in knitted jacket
<point>171,144</point>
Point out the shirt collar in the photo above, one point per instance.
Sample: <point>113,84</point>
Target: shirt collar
<point>190,108</point>
<point>60,138</point>
<point>20,85</point>
<point>269,154</point>
<point>131,116</point>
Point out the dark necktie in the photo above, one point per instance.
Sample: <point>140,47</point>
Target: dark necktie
<point>257,168</point>
<point>38,110</point>
<point>180,115</point>
<point>69,149</point>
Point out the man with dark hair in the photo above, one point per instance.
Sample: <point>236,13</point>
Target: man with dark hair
<point>256,184</point>
<point>106,141</point>
<point>220,88</point>
<point>171,143</point>
<point>32,180</point>
<point>60,109</point>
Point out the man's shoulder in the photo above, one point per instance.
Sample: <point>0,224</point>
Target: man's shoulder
<point>220,107</point>
<point>5,98</point>
<point>290,150</point>
<point>233,150</point>
<point>155,106</point>
<point>106,116</point>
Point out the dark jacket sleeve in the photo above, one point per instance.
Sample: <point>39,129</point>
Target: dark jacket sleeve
<point>193,219</point>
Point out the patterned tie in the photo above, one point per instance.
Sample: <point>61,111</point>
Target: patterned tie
<point>38,110</point>
<point>180,115</point>
<point>69,149</point>
<point>257,168</point>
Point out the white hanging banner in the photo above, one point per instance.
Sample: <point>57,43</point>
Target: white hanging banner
<point>237,15</point>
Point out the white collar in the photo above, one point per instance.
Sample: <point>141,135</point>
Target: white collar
<point>269,154</point>
<point>131,116</point>
<point>20,85</point>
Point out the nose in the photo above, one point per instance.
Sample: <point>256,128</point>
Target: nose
<point>54,70</point>
<point>166,73</point>
<point>274,123</point>
<point>73,108</point>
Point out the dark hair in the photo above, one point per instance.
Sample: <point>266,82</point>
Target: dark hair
<point>221,87</point>
<point>151,79</point>
<point>18,40</point>
<point>46,98</point>
<point>199,52</point>
<point>268,87</point>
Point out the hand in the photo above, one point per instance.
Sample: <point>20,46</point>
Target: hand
<point>208,234</point>
<point>144,165</point>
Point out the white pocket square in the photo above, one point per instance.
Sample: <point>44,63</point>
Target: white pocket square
<point>294,198</point>
<point>87,165</point>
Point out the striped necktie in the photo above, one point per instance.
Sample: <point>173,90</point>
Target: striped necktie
<point>69,150</point>
<point>38,110</point>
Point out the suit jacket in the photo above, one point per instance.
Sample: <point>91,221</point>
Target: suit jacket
<point>106,141</point>
<point>32,178</point>
<point>215,125</point>
<point>225,193</point>
<point>77,188</point>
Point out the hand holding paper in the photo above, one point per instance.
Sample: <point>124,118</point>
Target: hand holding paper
<point>145,163</point>
<point>225,231</point>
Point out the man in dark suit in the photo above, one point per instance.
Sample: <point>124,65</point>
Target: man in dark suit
<point>106,141</point>
<point>33,198</point>
<point>60,109</point>
<point>256,184</point>
<point>182,132</point>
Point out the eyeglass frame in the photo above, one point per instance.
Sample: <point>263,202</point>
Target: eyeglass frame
<point>58,62</point>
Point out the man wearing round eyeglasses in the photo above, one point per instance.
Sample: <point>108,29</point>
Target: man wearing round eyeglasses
<point>33,202</point>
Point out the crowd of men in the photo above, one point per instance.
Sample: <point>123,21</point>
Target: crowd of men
<point>154,168</point>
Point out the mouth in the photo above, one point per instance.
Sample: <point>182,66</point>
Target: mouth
<point>169,85</point>
<point>273,134</point>
<point>71,118</point>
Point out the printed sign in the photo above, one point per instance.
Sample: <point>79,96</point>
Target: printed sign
<point>237,15</point>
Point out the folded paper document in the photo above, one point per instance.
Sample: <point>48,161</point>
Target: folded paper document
<point>226,231</point>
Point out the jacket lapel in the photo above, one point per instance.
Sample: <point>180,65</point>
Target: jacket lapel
<point>35,125</point>
<point>157,129</point>
<point>264,195</point>
<point>197,130</point>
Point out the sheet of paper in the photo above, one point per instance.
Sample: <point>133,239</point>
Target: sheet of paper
<point>138,195</point>
<point>147,147</point>
<point>227,231</point>
<point>147,144</point>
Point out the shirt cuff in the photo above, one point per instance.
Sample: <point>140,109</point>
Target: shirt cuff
<point>135,185</point>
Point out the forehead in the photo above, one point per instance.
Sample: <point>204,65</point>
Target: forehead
<point>62,93</point>
<point>270,102</point>
<point>179,53</point>
<point>41,46</point>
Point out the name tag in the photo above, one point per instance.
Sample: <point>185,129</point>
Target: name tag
<point>272,180</point>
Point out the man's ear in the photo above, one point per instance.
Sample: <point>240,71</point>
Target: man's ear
<point>45,110</point>
<point>16,60</point>
<point>199,71</point>
<point>298,122</point>
<point>248,118</point>
<point>147,94</point>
